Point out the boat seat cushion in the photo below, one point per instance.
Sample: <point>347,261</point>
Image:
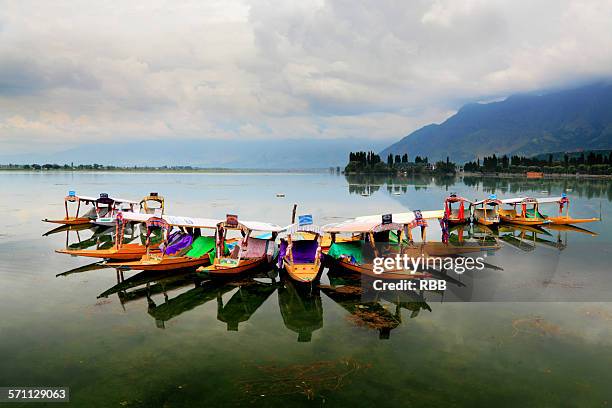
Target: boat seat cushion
<point>347,249</point>
<point>255,248</point>
<point>304,251</point>
<point>201,246</point>
<point>179,245</point>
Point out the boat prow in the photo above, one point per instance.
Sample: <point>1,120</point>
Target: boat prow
<point>148,263</point>
<point>127,252</point>
<point>304,273</point>
<point>243,266</point>
<point>569,220</point>
<point>69,221</point>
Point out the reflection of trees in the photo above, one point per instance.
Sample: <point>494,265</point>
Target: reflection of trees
<point>589,188</point>
<point>370,183</point>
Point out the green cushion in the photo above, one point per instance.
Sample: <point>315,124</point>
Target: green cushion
<point>201,246</point>
<point>348,249</point>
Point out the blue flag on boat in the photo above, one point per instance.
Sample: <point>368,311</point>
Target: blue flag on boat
<point>305,219</point>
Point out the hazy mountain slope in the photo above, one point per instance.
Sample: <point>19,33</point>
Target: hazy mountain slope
<point>522,124</point>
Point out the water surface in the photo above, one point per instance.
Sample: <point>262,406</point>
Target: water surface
<point>180,340</point>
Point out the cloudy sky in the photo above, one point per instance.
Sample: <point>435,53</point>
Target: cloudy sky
<point>76,72</point>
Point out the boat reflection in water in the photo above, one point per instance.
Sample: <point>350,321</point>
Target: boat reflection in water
<point>372,312</point>
<point>301,309</point>
<point>251,294</point>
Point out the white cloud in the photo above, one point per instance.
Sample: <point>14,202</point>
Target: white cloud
<point>71,72</point>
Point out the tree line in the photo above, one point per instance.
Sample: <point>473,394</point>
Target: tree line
<point>370,162</point>
<point>584,163</point>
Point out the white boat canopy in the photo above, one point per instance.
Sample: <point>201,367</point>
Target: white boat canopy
<point>189,221</point>
<point>519,200</point>
<point>549,200</point>
<point>371,223</point>
<point>490,201</point>
<point>261,226</point>
<point>173,220</point>
<point>124,201</point>
<point>86,199</point>
<point>295,228</point>
<point>134,217</point>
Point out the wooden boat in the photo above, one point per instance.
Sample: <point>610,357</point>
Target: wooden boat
<point>123,252</point>
<point>563,218</point>
<point>107,209</point>
<point>77,218</point>
<point>245,255</point>
<point>153,204</point>
<point>456,215</point>
<point>120,250</point>
<point>302,258</point>
<point>351,256</point>
<point>486,212</point>
<point>185,248</point>
<point>526,216</point>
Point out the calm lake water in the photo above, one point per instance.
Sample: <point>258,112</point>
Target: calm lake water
<point>180,340</point>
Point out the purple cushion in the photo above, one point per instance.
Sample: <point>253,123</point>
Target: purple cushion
<point>179,245</point>
<point>304,251</point>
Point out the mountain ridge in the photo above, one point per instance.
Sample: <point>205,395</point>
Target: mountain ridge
<point>522,124</point>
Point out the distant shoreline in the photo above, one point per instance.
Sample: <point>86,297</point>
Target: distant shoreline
<point>155,170</point>
<point>544,176</point>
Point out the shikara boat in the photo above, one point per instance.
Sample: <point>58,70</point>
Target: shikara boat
<point>377,234</point>
<point>107,209</point>
<point>183,244</point>
<point>153,204</point>
<point>486,212</point>
<point>563,218</point>
<point>456,215</point>
<point>246,254</point>
<point>526,216</point>
<point>77,218</point>
<point>300,254</point>
<point>119,251</point>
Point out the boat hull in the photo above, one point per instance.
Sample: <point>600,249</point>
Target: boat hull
<point>524,221</point>
<point>457,221</point>
<point>69,221</point>
<point>125,253</point>
<point>244,266</point>
<point>163,264</point>
<point>486,221</point>
<point>303,273</point>
<point>570,220</point>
